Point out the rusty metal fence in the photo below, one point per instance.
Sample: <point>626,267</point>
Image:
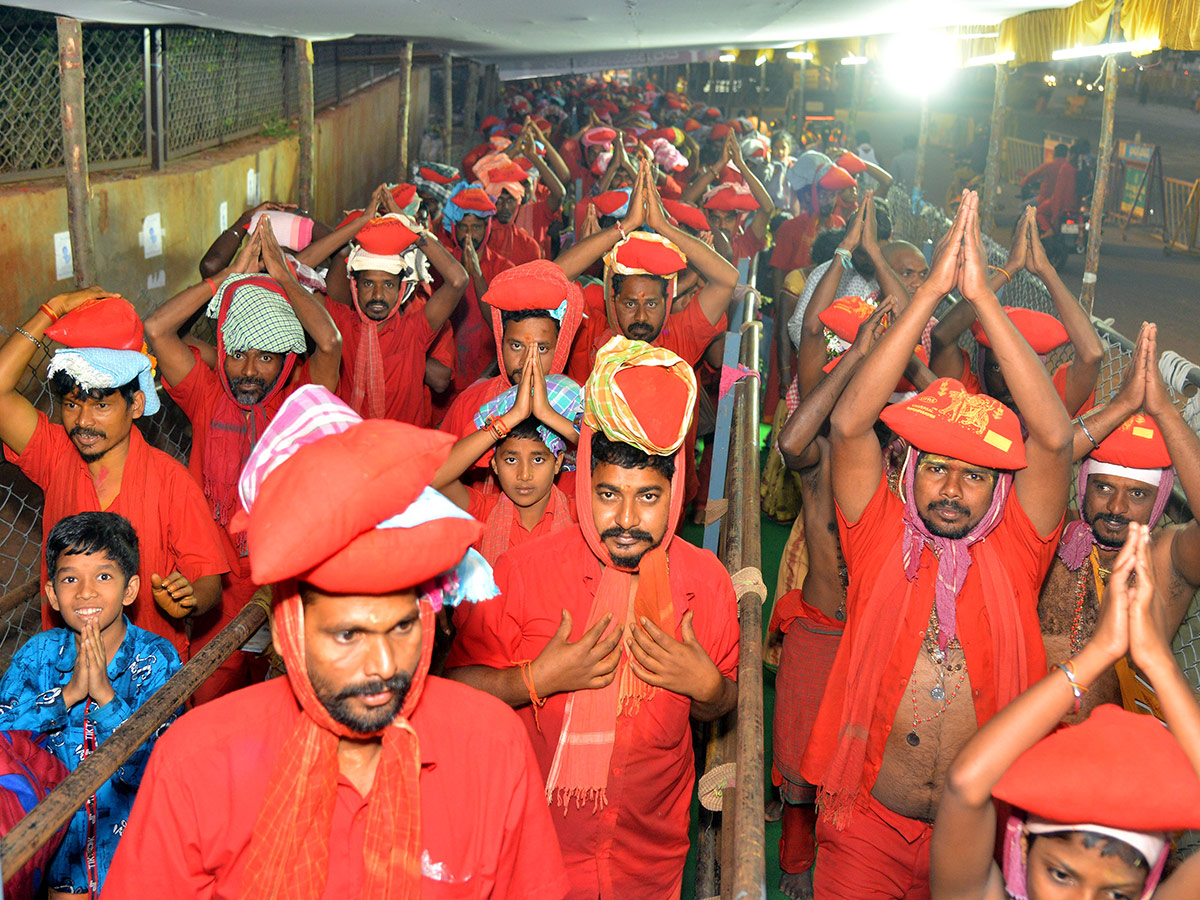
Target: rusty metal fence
<point>159,93</point>
<point>1018,158</point>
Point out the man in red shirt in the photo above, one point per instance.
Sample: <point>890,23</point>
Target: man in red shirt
<point>942,597</point>
<point>727,203</point>
<point>97,460</point>
<point>607,708</point>
<point>466,226</point>
<point>533,308</point>
<point>504,182</point>
<point>359,774</point>
<point>793,239</point>
<point>392,323</point>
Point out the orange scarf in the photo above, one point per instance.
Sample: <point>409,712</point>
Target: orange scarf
<point>289,850</point>
<point>580,768</point>
<point>497,538</point>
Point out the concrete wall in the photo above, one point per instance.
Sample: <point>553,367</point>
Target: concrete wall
<point>354,150</point>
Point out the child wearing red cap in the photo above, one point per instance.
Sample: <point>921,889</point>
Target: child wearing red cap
<point>1093,805</point>
<point>1131,452</point>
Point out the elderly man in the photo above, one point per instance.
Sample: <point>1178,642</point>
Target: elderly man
<point>610,633</point>
<point>359,774</point>
<point>1132,450</point>
<point>940,631</point>
<point>97,460</point>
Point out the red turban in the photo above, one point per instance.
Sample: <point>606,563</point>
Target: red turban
<point>686,214</point>
<point>110,323</point>
<point>836,178</point>
<point>1041,330</point>
<point>540,284</point>
<point>851,163</point>
<point>730,196</point>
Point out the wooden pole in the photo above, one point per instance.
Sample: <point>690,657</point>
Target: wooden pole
<point>448,107</point>
<point>1087,293</point>
<point>991,171</point>
<point>24,839</point>
<point>798,130</point>
<point>75,158</point>
<point>402,114</point>
<point>470,106</point>
<point>922,143</point>
<point>304,92</point>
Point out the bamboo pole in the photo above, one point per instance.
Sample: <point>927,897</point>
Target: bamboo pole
<point>991,171</point>
<point>402,114</point>
<point>448,107</point>
<point>922,143</point>
<point>1087,294</point>
<point>23,840</point>
<point>304,93</point>
<point>75,158</point>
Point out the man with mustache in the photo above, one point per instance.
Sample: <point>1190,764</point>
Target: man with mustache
<point>609,634</point>
<point>98,461</point>
<point>262,320</point>
<point>940,625</point>
<point>359,774</point>
<point>1131,452</point>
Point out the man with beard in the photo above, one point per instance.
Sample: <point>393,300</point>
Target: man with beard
<point>940,628</point>
<point>359,774</point>
<point>98,461</point>
<point>609,634</point>
<point>262,320</point>
<point>1128,449</point>
<point>393,322</point>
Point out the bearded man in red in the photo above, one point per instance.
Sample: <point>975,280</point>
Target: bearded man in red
<point>357,775</point>
<point>604,648</point>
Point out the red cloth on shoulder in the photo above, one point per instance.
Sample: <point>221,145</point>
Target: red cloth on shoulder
<point>793,241</point>
<point>514,243</point>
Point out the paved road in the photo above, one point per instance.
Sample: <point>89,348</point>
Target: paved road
<point>1136,281</point>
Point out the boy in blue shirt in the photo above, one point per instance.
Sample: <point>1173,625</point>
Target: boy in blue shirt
<point>76,684</point>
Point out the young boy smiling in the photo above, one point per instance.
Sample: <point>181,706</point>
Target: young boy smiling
<point>77,684</point>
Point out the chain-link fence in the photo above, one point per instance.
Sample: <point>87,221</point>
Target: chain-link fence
<point>215,87</point>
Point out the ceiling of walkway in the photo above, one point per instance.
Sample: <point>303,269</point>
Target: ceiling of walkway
<point>493,31</point>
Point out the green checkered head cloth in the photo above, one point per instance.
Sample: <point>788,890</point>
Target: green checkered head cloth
<point>640,395</point>
<point>257,315</point>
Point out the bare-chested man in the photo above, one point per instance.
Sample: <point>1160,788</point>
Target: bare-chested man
<point>940,631</point>
<point>1127,448</point>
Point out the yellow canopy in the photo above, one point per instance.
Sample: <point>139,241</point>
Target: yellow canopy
<point>1034,36</point>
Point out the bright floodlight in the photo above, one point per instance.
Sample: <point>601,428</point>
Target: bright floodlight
<point>992,59</point>
<point>854,60</point>
<point>727,57</point>
<point>760,59</point>
<point>920,63</point>
<point>1148,45</point>
<point>799,54</point>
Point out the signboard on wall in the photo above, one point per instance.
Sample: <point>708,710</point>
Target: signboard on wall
<point>1140,165</point>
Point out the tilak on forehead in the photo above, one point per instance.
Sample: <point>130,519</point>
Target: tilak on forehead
<point>642,253</point>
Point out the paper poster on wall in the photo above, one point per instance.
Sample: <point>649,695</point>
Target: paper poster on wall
<point>251,188</point>
<point>223,215</point>
<point>156,280</point>
<point>64,266</point>
<point>151,237</point>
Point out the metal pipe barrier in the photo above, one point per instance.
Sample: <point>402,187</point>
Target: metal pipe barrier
<point>732,847</point>
<point>1019,158</point>
<point>35,829</point>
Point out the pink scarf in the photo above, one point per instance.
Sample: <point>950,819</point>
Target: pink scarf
<point>1078,538</point>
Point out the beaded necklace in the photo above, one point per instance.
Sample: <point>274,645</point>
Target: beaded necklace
<point>1091,566</point>
<point>938,692</point>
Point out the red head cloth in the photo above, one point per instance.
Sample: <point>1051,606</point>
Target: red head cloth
<point>712,113</point>
<point>643,396</point>
<point>851,163</point>
<point>599,136</point>
<point>836,179</point>
<point>524,164</point>
<point>404,194</point>
<point>537,285</point>
<point>543,124</point>
<point>719,132</point>
<point>1136,444</point>
<point>691,125</point>
<point>375,531</point>
<point>386,236</point>
<point>946,420</point>
<point>435,176</point>
<point>1041,330</point>
<point>1116,769</point>
<point>109,322</point>
<point>489,123</point>
<point>608,203</point>
<point>475,200</point>
<point>729,196</point>
<point>686,214</point>
<point>844,316</point>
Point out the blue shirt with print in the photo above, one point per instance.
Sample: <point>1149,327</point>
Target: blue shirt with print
<point>31,700</point>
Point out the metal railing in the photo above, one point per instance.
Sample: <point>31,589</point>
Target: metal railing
<point>1181,215</point>
<point>1018,158</point>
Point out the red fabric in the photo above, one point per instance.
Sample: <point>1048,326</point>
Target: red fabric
<point>472,334</point>
<point>1063,202</point>
<point>443,350</point>
<point>881,856</point>
<point>686,214</point>
<point>200,395</point>
<point>163,503</point>
<point>501,536</point>
<point>386,236</point>
<point>798,840</point>
<point>1059,380</point>
<point>28,773</point>
<point>1042,331</point>
<point>460,417</point>
<point>1137,443</point>
<point>513,243</point>
<point>474,200</point>
<point>879,646</point>
<point>845,315</point>
<point>636,845</point>
<point>793,241</point>
<point>836,179</point>
<point>536,217</point>
<point>851,163</point>
<point>109,322</point>
<point>482,812</point>
<point>728,197</point>
<point>404,341</point>
<point>1048,172</point>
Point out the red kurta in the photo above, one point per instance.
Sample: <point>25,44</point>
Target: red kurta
<point>514,243</point>
<point>793,241</point>
<point>460,417</point>
<point>481,505</point>
<point>484,822</point>
<point>473,336</point>
<point>160,499</point>
<point>404,341</point>
<point>636,845</point>
<point>871,547</point>
<point>536,217</point>
<point>745,244</point>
